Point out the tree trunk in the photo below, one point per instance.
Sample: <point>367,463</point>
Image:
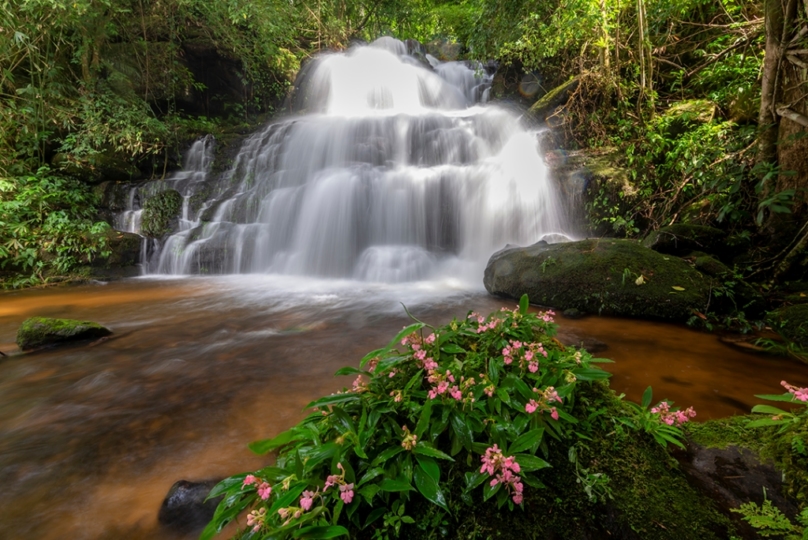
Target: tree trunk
<point>767,119</point>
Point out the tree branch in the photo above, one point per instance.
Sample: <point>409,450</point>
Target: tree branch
<point>792,115</point>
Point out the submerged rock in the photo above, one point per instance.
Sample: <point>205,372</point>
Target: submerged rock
<point>185,507</point>
<point>41,331</point>
<point>606,276</point>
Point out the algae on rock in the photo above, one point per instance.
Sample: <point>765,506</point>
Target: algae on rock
<point>41,331</point>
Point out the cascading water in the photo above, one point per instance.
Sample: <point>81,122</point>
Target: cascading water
<point>394,173</point>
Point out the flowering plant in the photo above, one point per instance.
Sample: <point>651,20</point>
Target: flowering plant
<point>477,396</point>
<point>778,417</point>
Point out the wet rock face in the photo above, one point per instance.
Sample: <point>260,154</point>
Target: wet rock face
<point>39,332</point>
<point>185,509</point>
<point>605,276</point>
<point>732,476</point>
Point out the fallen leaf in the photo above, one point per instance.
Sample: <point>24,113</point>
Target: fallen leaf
<point>640,280</point>
<point>677,288</point>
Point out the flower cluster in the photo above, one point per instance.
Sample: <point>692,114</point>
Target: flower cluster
<point>346,490</point>
<point>484,326</point>
<point>543,402</point>
<point>667,416</point>
<point>359,385</point>
<point>525,353</point>
<point>410,439</point>
<point>506,470</point>
<point>263,487</point>
<point>444,383</point>
<point>800,394</point>
<point>418,346</point>
<point>256,519</point>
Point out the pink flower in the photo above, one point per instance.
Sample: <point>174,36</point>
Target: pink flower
<point>800,394</point>
<point>430,339</point>
<point>533,367</point>
<point>531,406</point>
<point>517,498</point>
<point>506,351</point>
<point>517,344</point>
<point>307,499</point>
<point>264,491</point>
<point>331,480</point>
<point>554,413</point>
<point>249,480</point>
<point>456,393</point>
<point>346,493</point>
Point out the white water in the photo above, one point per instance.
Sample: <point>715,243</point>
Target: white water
<point>396,173</point>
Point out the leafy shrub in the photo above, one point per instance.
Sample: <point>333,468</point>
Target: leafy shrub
<point>470,407</point>
<point>49,227</point>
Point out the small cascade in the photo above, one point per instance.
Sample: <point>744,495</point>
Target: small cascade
<point>396,172</point>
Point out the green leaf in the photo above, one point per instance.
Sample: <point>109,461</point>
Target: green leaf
<point>763,422</point>
<point>591,374</point>
<point>489,491</point>
<point>333,400</point>
<point>320,531</point>
<point>461,430</point>
<point>768,409</point>
<point>530,463</point>
<point>647,396</point>
<point>368,492</point>
<point>267,445</point>
<point>474,479</point>
<point>776,397</point>
<point>677,288</point>
<point>430,466</point>
<point>370,475</point>
<point>451,348</point>
<point>524,303</point>
<point>349,371</point>
<point>390,485</point>
<point>405,332</point>
<point>425,450</point>
<point>429,488</point>
<point>504,396</point>
<point>423,421</point>
<point>531,440</point>
<point>387,454</point>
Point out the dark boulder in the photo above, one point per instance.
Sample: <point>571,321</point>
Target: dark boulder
<point>732,476</point>
<point>42,331</point>
<point>185,508</point>
<point>606,276</point>
<point>681,239</point>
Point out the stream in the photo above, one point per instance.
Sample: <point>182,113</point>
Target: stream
<point>92,436</point>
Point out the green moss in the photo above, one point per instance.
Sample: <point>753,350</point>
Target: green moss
<point>41,331</point>
<point>682,238</point>
<point>552,99</point>
<point>159,211</point>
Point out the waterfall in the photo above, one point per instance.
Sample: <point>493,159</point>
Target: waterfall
<point>393,170</point>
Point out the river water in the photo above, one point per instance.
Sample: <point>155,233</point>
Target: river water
<point>93,435</point>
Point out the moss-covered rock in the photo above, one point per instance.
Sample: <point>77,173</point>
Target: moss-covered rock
<point>159,213</point>
<point>792,323</point>
<point>119,259</point>
<point>681,239</point>
<point>607,276</point>
<point>42,331</point>
<point>549,102</point>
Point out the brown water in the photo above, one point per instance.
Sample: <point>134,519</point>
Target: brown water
<point>93,436</point>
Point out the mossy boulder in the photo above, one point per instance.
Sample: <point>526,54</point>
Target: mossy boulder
<point>682,238</point>
<point>606,276</point>
<point>39,332</point>
<point>792,323</point>
<point>120,258</point>
<point>549,102</point>
<point>160,213</point>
